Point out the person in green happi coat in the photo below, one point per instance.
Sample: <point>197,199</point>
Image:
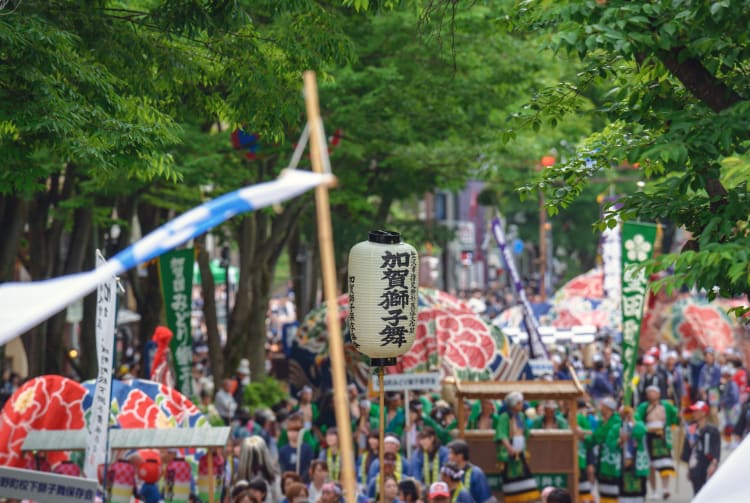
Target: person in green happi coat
<point>551,418</point>
<point>511,434</point>
<point>395,416</point>
<point>635,462</point>
<point>483,415</point>
<point>609,459</point>
<point>585,457</point>
<point>659,416</point>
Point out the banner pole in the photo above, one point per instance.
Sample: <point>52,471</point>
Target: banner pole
<point>381,438</point>
<point>330,290</point>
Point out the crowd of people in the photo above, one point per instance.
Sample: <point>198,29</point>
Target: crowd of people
<point>694,403</point>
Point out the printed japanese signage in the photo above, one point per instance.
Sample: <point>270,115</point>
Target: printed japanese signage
<point>427,381</point>
<point>29,485</point>
<point>176,272</point>
<point>637,247</point>
<point>612,262</point>
<point>98,423</point>
<point>541,366</point>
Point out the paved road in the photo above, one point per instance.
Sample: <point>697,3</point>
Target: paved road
<point>681,491</point>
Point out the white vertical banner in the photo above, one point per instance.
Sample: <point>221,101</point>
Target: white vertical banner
<point>98,423</point>
<point>612,263</point>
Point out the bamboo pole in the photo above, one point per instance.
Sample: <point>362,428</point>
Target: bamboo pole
<point>330,290</point>
<point>211,480</point>
<point>381,448</point>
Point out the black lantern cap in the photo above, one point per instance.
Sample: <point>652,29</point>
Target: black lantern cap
<point>384,237</point>
<point>383,362</point>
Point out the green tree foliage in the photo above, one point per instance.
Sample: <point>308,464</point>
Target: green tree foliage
<point>98,98</point>
<point>263,394</point>
<point>677,105</point>
<point>422,108</point>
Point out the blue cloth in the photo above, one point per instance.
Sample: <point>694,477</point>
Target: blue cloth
<point>615,378</point>
<point>372,473</point>
<point>730,395</point>
<point>677,384</point>
<point>150,493</point>
<point>477,484</point>
<point>372,491</point>
<point>709,376</point>
<point>323,457</point>
<point>363,472</point>
<point>288,459</point>
<point>416,463</point>
<point>463,496</point>
<point>563,374</point>
<point>600,385</point>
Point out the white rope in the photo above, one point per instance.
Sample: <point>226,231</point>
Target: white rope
<point>324,149</point>
<point>300,148</point>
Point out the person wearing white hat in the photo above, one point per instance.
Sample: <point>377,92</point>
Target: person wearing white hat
<point>653,375</point>
<point>390,469</point>
<point>659,416</point>
<point>242,379</point>
<point>729,400</point>
<point>401,468</point>
<point>609,463</point>
<point>307,407</point>
<point>511,433</point>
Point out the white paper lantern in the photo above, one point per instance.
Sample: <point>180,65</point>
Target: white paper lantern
<point>383,303</point>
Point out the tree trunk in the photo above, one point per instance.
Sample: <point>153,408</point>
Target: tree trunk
<point>261,239</point>
<point>313,261</point>
<point>297,252</point>
<point>44,246</point>
<point>208,291</point>
<point>256,335</point>
<point>89,363</point>
<point>13,213</point>
<point>77,246</point>
<point>146,289</point>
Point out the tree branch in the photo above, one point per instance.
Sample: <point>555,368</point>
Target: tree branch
<point>699,81</point>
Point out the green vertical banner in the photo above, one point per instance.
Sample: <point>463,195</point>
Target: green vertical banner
<point>176,273</point>
<point>638,241</point>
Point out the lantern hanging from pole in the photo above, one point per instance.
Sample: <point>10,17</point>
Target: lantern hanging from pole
<point>383,286</point>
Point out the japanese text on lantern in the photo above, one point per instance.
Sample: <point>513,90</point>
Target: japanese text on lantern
<point>352,324</point>
<point>399,316</point>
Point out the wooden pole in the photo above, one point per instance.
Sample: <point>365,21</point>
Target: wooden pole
<point>573,422</point>
<point>330,290</point>
<point>542,247</point>
<point>407,424</point>
<point>381,448</point>
<point>211,479</point>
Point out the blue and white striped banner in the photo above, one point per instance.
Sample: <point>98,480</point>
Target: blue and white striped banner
<point>24,305</point>
<point>537,349</point>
